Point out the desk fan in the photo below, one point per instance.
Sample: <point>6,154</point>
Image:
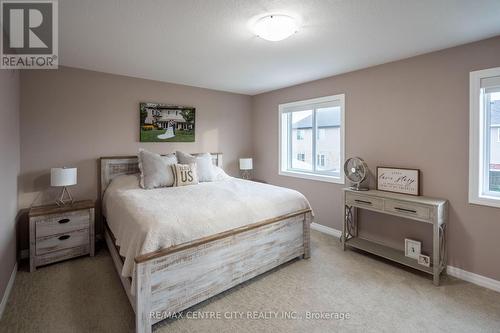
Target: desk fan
<point>356,170</point>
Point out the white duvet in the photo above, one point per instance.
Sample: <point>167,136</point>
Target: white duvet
<point>144,221</point>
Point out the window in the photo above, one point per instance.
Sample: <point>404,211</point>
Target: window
<point>321,160</point>
<point>321,134</point>
<point>484,143</point>
<point>312,139</point>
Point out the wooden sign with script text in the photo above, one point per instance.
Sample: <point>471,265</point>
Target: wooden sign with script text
<point>398,180</point>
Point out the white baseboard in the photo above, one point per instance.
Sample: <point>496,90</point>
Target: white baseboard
<point>474,278</point>
<point>6,295</point>
<point>326,230</point>
<point>458,273</point>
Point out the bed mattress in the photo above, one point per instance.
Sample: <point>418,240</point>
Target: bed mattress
<point>144,221</point>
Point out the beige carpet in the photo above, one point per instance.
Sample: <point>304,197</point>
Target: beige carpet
<point>85,295</point>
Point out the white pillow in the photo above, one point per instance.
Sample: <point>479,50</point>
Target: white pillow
<point>205,167</point>
<point>220,174</point>
<point>185,158</point>
<point>155,169</point>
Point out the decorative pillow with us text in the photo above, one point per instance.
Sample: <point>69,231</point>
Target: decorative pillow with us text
<point>184,174</point>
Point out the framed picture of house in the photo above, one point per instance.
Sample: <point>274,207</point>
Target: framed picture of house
<point>166,123</point>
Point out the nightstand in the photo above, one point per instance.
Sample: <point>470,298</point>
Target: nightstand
<point>59,233</point>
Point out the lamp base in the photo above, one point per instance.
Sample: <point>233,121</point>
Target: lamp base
<point>65,198</point>
<point>246,174</point>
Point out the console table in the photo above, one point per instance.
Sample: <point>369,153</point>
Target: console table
<point>433,212</point>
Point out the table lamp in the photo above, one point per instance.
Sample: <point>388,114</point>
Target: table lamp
<point>63,177</point>
<point>246,166</point>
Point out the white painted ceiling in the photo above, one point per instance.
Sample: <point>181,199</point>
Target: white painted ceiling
<point>207,43</point>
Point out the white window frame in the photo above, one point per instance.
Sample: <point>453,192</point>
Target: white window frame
<point>283,147</point>
<point>479,141</point>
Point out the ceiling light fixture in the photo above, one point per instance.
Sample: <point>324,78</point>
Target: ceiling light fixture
<point>275,27</point>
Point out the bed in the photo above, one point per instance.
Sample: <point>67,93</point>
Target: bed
<point>177,259</point>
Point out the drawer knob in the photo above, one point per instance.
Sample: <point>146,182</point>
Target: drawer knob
<point>64,237</point>
<point>63,221</point>
<point>406,210</point>
<point>363,202</point>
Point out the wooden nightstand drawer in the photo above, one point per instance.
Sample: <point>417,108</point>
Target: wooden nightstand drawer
<point>51,257</point>
<point>61,223</point>
<point>62,241</point>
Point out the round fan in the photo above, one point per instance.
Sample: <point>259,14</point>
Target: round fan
<point>356,170</point>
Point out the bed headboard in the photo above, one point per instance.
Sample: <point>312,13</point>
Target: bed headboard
<point>113,166</point>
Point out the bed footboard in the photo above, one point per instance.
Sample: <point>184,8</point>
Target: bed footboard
<point>177,278</point>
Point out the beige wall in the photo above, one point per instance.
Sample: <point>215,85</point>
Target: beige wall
<point>70,117</point>
<point>410,113</point>
<point>9,172</point>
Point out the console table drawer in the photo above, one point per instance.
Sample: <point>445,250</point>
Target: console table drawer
<point>364,201</point>
<point>402,208</point>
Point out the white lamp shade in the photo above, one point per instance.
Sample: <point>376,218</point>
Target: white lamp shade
<point>62,176</point>
<point>246,164</point>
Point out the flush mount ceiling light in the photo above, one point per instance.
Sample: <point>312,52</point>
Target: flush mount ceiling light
<point>275,27</point>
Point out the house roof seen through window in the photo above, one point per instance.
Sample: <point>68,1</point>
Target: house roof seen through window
<point>330,118</point>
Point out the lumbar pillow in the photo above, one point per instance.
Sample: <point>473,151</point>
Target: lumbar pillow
<point>155,169</point>
<point>184,174</point>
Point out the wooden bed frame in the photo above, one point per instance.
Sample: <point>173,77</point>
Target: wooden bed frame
<point>173,279</point>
